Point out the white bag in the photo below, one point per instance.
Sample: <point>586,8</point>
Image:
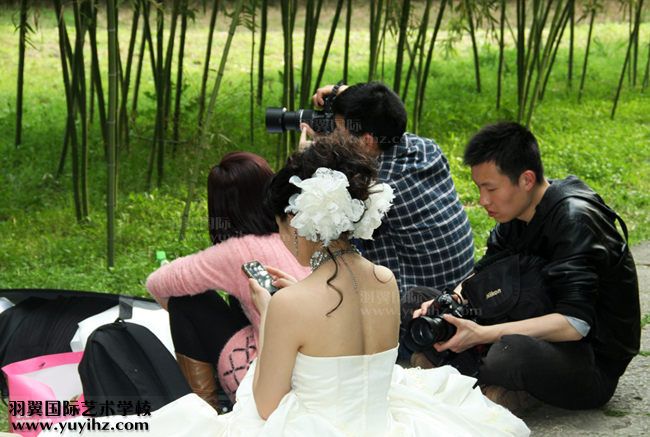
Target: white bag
<point>148,314</point>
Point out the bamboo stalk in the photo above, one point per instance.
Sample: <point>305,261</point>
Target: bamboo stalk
<point>179,75</point>
<point>572,20</point>
<point>292,76</point>
<point>21,72</point>
<point>424,26</point>
<point>176,5</point>
<point>548,48</point>
<point>521,54</point>
<point>206,64</point>
<point>285,5</point>
<point>411,56</point>
<point>311,24</point>
<point>158,65</point>
<point>375,23</point>
<point>123,127</point>
<point>635,33</point>
<point>646,76</point>
<point>74,152</point>
<point>425,74</point>
<point>533,57</point>
<point>160,93</point>
<point>635,58</point>
<point>80,99</point>
<point>70,129</point>
<point>584,66</point>
<point>330,40</point>
<point>564,21</point>
<point>260,60</point>
<point>95,72</point>
<point>346,61</point>
<point>501,52</point>
<point>470,21</point>
<point>382,40</point>
<point>401,42</point>
<point>205,139</point>
<point>252,75</point>
<point>113,90</point>
<point>136,87</point>
<point>418,53</point>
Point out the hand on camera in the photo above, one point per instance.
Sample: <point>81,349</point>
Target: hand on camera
<point>423,309</point>
<point>467,335</point>
<point>321,93</point>
<point>306,133</point>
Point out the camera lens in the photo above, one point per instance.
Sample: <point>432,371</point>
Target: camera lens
<point>274,123</point>
<point>425,331</point>
<point>279,120</point>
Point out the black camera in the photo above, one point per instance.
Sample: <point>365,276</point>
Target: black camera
<point>278,120</point>
<point>424,331</point>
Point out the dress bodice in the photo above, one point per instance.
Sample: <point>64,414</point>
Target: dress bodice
<point>350,391</point>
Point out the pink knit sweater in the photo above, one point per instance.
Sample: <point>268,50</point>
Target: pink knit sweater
<point>219,268</point>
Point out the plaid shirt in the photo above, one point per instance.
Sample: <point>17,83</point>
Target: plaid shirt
<point>426,238</point>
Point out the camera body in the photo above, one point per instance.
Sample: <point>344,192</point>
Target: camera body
<point>424,331</point>
<point>279,120</point>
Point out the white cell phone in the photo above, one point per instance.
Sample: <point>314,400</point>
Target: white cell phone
<point>256,270</point>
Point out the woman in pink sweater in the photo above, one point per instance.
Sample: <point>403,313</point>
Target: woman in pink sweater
<point>207,331</point>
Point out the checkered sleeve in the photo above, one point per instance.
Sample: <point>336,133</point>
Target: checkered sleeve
<point>425,239</point>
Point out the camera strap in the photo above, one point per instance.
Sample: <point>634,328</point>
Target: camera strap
<point>329,111</point>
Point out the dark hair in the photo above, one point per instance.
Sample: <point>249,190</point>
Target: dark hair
<point>510,146</point>
<point>235,196</point>
<point>336,152</point>
<point>372,108</point>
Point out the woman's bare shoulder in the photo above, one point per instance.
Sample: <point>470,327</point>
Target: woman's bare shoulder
<point>384,275</point>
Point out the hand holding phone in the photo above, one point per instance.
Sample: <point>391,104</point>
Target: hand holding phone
<point>256,270</point>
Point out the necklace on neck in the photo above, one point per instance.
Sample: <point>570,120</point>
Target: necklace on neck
<point>319,258</point>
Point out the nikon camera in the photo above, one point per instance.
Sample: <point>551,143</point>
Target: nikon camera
<point>279,120</point>
<point>424,331</point>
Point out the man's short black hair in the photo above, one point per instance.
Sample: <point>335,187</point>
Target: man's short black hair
<point>372,108</point>
<point>510,146</point>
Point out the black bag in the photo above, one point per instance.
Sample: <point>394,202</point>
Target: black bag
<point>125,364</point>
<point>508,288</point>
<point>39,326</point>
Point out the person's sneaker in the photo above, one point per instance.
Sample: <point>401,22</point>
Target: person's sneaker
<point>419,360</point>
<point>515,401</point>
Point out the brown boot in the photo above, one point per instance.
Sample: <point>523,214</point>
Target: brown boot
<point>200,376</point>
<point>419,360</point>
<point>515,401</point>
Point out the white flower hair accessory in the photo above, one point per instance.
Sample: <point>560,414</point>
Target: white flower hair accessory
<point>377,205</point>
<point>324,209</point>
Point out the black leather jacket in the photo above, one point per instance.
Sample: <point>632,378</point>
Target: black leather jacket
<point>590,271</point>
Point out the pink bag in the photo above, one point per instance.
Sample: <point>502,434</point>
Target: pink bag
<point>42,390</point>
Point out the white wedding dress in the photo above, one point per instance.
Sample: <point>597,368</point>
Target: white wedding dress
<point>368,395</point>
<point>364,395</point>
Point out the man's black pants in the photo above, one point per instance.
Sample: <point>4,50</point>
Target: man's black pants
<point>564,374</point>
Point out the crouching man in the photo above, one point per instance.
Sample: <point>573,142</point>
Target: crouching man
<point>573,356</point>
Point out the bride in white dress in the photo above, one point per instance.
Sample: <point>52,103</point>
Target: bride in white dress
<point>328,344</point>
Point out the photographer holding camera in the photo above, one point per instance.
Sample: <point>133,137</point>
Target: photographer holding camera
<point>573,355</point>
<point>425,239</point>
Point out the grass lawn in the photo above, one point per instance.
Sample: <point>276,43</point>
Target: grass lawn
<point>42,246</point>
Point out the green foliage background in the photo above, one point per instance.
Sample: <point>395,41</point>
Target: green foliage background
<point>41,246</point>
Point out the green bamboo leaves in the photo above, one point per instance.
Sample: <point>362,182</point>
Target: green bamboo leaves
<point>206,137</point>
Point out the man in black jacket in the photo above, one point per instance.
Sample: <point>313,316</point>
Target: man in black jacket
<point>572,357</point>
